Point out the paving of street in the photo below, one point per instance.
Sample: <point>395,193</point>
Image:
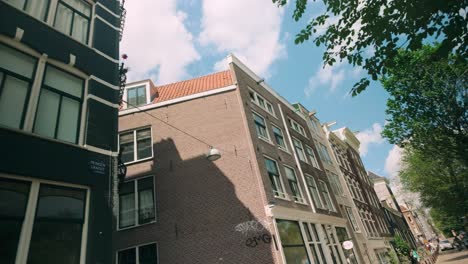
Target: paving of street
<point>453,257</point>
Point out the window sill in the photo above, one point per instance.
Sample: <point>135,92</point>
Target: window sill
<point>135,226</point>
<point>302,203</point>
<point>138,161</point>
<point>282,198</point>
<point>267,140</point>
<point>284,150</point>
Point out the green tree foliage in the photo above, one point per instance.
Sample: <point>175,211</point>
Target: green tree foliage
<point>401,248</point>
<point>428,103</point>
<point>352,27</point>
<point>445,223</point>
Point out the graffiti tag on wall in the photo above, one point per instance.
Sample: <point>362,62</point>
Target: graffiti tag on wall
<point>256,232</point>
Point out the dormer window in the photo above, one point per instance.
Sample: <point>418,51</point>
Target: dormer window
<point>136,96</point>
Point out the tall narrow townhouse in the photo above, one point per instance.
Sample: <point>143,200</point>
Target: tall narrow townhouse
<point>58,129</point>
<point>338,183</point>
<point>391,209</point>
<point>265,200</point>
<point>346,150</point>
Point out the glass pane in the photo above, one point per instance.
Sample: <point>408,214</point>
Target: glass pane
<point>63,19</point>
<point>296,255</point>
<point>290,173</point>
<point>63,81</point>
<point>68,121</point>
<point>127,205</point>
<point>127,256</point>
<point>37,8</point>
<point>16,3</point>
<point>141,97</point>
<point>12,101</point>
<point>58,226</point>
<point>258,119</point>
<point>271,166</point>
<point>127,152</point>
<point>307,231</point>
<point>80,28</point>
<point>132,97</point>
<point>148,254</point>
<point>16,61</point>
<point>13,201</point>
<point>146,204</point>
<point>47,111</point>
<point>80,6</point>
<point>290,233</point>
<point>143,143</point>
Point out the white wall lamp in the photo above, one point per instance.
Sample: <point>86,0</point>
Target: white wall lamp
<point>213,154</point>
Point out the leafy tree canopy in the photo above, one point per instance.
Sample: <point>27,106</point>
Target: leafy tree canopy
<point>369,33</point>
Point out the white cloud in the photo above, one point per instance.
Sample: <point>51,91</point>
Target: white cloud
<point>329,77</point>
<point>156,41</point>
<point>369,136</point>
<point>248,29</point>
<point>393,162</point>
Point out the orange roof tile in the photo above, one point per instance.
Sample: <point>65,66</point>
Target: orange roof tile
<point>192,86</point>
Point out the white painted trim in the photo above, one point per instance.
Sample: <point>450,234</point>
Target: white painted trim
<point>34,94</point>
<point>287,213</point>
<point>286,195</point>
<point>84,116</point>
<point>84,235</point>
<point>102,101</point>
<point>300,190</point>
<point>177,100</point>
<point>91,26</point>
<point>285,148</point>
<point>27,226</point>
<point>101,81</point>
<point>107,9</point>
<point>135,149</point>
<point>106,56</point>
<point>268,139</point>
<point>107,23</point>
<point>101,151</point>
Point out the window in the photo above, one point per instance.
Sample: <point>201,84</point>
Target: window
<point>136,203</point>
<point>146,254</point>
<point>273,174</point>
<point>58,222</point>
<point>293,244</point>
<point>315,127</point>
<point>299,150</point>
<point>342,235</point>
<point>279,138</point>
<point>352,219</point>
<point>334,245</point>
<point>136,145</point>
<point>260,127</point>
<point>136,96</point>
<point>59,107</point>
<point>327,196</point>
<point>292,179</point>
<point>36,8</point>
<point>73,18</point>
<point>335,183</point>
<point>296,127</point>
<point>312,158</point>
<point>16,78</point>
<point>314,243</point>
<point>314,191</point>
<point>323,152</point>
<point>262,102</point>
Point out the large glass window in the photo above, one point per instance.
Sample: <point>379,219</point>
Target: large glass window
<point>260,126</point>
<point>136,96</point>
<point>36,8</point>
<point>312,158</point>
<point>324,153</point>
<point>279,138</point>
<point>314,242</point>
<point>136,145</point>
<point>73,18</point>
<point>273,174</point>
<point>293,244</point>
<point>342,236</point>
<point>335,183</point>
<point>59,108</point>
<point>16,77</point>
<point>352,219</point>
<point>147,254</point>
<point>58,225</point>
<point>299,149</point>
<point>314,191</point>
<point>292,179</point>
<point>334,245</point>
<point>136,202</point>
<point>13,200</point>
<point>327,196</point>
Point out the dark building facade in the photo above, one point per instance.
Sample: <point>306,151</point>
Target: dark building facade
<point>59,87</point>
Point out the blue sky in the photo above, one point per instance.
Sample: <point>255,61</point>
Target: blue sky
<point>168,41</point>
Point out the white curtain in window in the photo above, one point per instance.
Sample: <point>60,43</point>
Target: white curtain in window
<point>146,204</point>
<point>16,61</point>
<point>68,121</point>
<point>80,28</point>
<point>37,8</point>
<point>63,81</point>
<point>63,19</point>
<point>47,111</point>
<point>127,210</point>
<point>12,101</point>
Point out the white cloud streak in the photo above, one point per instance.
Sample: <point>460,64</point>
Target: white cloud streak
<point>157,43</point>
<point>370,136</point>
<point>248,29</point>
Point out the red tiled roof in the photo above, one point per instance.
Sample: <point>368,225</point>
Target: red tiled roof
<point>192,86</point>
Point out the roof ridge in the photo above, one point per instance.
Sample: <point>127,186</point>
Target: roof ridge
<point>191,79</point>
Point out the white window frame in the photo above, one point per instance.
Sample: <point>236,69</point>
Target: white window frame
<point>135,186</point>
<point>281,195</point>
<point>137,251</point>
<point>267,138</point>
<point>285,147</point>
<point>266,102</point>
<point>352,219</point>
<point>317,243</point>
<point>312,156</point>
<point>325,191</point>
<point>335,183</point>
<point>302,148</point>
<point>300,129</point>
<point>30,215</point>
<point>135,150</point>
<point>135,85</point>
<point>300,198</point>
<point>321,205</point>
